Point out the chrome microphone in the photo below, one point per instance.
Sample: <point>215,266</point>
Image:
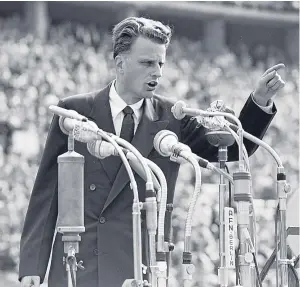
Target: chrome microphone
<point>213,118</point>
<point>216,135</point>
<point>70,193</point>
<point>166,143</point>
<point>72,114</point>
<point>177,110</point>
<point>102,149</point>
<point>71,121</point>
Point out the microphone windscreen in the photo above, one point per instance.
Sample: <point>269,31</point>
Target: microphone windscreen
<point>160,144</point>
<point>177,110</point>
<point>94,148</point>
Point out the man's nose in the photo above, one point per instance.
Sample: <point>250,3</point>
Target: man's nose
<point>157,72</point>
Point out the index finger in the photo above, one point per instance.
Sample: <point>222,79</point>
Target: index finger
<point>274,68</point>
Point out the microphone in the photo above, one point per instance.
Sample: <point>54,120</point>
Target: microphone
<point>67,113</point>
<point>177,110</point>
<point>166,143</point>
<point>180,110</point>
<point>70,193</point>
<point>217,136</point>
<point>71,121</point>
<point>102,149</point>
<point>220,138</point>
<point>136,166</point>
<point>214,119</point>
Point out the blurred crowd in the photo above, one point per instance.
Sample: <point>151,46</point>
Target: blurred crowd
<point>280,6</point>
<point>77,59</point>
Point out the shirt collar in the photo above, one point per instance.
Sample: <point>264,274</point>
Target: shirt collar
<point>117,104</point>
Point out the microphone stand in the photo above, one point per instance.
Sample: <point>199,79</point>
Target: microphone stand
<point>144,168</point>
<point>136,217</point>
<point>290,231</point>
<point>150,206</point>
<point>86,133</point>
<point>178,153</point>
<point>188,266</point>
<point>242,192</point>
<point>222,140</point>
<point>161,264</point>
<point>282,188</point>
<point>70,163</point>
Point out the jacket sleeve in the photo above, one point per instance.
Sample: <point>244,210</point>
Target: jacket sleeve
<point>253,119</point>
<point>40,220</point>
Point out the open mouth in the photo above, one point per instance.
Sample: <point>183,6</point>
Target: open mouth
<point>152,85</point>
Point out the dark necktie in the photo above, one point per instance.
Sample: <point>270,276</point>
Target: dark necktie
<point>127,130</point>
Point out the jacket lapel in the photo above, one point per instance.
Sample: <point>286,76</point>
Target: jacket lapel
<point>143,142</point>
<point>101,115</point>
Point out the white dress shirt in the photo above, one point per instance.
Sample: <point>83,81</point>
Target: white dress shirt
<point>117,105</point>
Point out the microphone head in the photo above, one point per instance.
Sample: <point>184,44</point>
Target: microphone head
<point>72,114</point>
<point>220,138</point>
<point>62,125</point>
<point>163,140</point>
<point>101,149</point>
<point>177,110</point>
<point>94,148</point>
<point>85,131</point>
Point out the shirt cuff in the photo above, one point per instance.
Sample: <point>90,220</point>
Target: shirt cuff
<point>267,108</point>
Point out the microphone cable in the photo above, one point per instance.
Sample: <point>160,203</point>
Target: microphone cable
<point>229,187</point>
<point>256,270</point>
<point>294,272</point>
<point>237,271</point>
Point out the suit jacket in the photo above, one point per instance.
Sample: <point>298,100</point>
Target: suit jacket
<point>106,247</point>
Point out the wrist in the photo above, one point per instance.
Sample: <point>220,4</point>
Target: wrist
<point>261,101</point>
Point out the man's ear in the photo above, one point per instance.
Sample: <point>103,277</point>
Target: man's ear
<point>119,61</point>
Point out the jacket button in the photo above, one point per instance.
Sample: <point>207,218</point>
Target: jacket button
<point>102,220</point>
<point>96,251</point>
<point>92,187</point>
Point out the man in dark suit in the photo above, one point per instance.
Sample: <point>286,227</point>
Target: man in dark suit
<point>106,247</point>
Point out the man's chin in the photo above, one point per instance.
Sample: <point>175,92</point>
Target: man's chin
<point>148,94</point>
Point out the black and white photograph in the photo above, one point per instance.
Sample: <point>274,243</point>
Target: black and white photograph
<point>149,144</point>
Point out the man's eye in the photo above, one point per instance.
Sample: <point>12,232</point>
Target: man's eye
<point>147,63</point>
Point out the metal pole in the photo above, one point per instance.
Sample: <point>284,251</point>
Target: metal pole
<point>242,195</point>
<point>137,243</point>
<point>282,189</point>
<point>223,270</point>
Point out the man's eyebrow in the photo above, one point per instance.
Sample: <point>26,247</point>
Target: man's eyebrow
<point>150,60</point>
<point>144,58</point>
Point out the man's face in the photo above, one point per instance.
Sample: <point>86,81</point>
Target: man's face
<point>142,67</point>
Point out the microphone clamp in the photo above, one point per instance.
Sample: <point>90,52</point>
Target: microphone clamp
<point>178,148</point>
